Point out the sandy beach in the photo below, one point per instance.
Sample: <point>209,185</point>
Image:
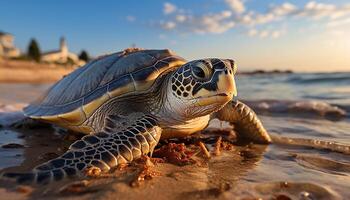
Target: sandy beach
<point>13,71</point>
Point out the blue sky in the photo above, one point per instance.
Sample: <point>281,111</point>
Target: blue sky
<point>278,34</point>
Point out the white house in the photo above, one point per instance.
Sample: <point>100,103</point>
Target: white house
<point>7,48</point>
<point>62,55</point>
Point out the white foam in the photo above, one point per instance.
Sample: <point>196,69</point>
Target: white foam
<point>297,107</point>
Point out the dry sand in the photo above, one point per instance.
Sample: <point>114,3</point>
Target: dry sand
<point>12,71</point>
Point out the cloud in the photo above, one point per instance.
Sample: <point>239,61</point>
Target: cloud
<point>266,33</point>
<point>238,16</point>
<point>338,22</point>
<point>168,25</point>
<point>236,5</point>
<point>130,18</point>
<point>169,8</point>
<point>275,13</point>
<point>320,10</point>
<point>252,32</point>
<point>264,18</point>
<point>311,10</point>
<point>181,18</point>
<point>209,23</point>
<point>215,23</point>
<point>283,9</point>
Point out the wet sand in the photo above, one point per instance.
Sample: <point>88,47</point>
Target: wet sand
<point>243,171</point>
<point>226,176</point>
<point>203,178</point>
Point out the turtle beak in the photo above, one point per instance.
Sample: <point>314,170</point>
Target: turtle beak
<point>227,85</point>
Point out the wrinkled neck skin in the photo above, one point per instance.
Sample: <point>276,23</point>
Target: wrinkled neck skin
<point>176,114</point>
<point>171,109</point>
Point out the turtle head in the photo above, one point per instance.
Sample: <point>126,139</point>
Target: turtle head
<point>204,86</point>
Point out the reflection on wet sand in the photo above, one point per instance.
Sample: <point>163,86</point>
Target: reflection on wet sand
<point>225,171</point>
<point>208,177</point>
<point>322,164</point>
<point>245,171</point>
<point>38,145</point>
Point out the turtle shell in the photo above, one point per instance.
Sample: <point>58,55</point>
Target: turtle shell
<point>74,98</point>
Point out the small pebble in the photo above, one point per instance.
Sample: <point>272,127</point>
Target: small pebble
<point>12,146</point>
<point>305,196</point>
<point>284,184</point>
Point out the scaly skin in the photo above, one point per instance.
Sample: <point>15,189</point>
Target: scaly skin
<point>115,145</point>
<point>245,120</point>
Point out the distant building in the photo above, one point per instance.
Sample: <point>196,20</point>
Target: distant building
<point>7,48</point>
<point>62,55</point>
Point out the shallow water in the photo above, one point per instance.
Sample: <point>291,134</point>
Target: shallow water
<point>332,88</point>
<point>313,108</point>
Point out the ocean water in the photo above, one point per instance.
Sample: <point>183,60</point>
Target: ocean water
<point>302,105</point>
<point>332,88</point>
<point>307,114</point>
<point>314,110</point>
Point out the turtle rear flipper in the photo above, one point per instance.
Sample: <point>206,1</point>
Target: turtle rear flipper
<point>119,142</point>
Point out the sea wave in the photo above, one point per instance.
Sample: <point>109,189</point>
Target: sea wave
<point>9,118</point>
<point>329,78</point>
<point>300,108</point>
<point>10,114</point>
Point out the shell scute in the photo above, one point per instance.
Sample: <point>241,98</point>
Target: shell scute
<point>95,94</point>
<point>86,81</point>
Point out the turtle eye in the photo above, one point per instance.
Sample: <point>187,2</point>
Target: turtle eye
<point>200,71</point>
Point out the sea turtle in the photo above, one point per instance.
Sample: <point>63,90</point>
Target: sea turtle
<point>127,101</point>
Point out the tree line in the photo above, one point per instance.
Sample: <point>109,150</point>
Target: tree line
<point>34,52</point>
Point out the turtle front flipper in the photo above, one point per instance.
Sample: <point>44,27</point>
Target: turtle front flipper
<point>122,140</point>
<point>246,122</point>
